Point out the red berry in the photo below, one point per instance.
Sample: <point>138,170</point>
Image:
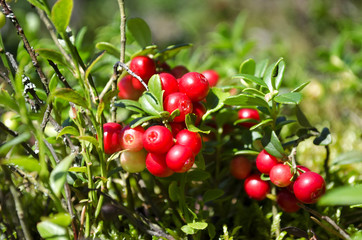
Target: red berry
<point>240,167</point>
<point>126,89</point>
<point>144,67</point>
<point>265,162</point>
<point>195,85</point>
<point>256,188</point>
<point>280,175</point>
<point>176,127</point>
<point>178,101</point>
<point>199,110</point>
<point>133,161</point>
<point>157,139</point>
<point>248,113</point>
<point>309,187</point>
<point>179,71</point>
<point>287,201</point>
<point>212,76</point>
<point>112,137</point>
<point>180,158</point>
<point>300,168</point>
<point>156,165</point>
<point>189,139</point>
<point>168,83</point>
<point>132,138</point>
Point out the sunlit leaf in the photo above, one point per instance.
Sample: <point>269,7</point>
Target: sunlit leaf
<point>289,98</point>
<point>59,174</point>
<point>52,231</point>
<point>26,163</point>
<point>61,13</point>
<point>68,130</point>
<point>351,195</point>
<point>109,48</point>
<point>247,67</point>
<point>140,31</point>
<point>69,95</point>
<point>272,144</point>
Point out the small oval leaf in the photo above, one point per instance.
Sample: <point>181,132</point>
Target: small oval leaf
<point>61,13</point>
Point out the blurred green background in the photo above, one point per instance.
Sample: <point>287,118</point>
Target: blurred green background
<point>321,42</point>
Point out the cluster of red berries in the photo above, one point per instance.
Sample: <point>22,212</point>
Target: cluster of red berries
<point>161,150</point>
<point>307,188</point>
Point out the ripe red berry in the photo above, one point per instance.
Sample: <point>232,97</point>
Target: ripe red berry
<point>195,85</point>
<point>132,138</point>
<point>280,175</point>
<point>240,167</point>
<point>178,101</point>
<point>265,162</point>
<point>300,170</point>
<point>144,67</point>
<point>256,188</point>
<point>157,139</point>
<point>287,201</point>
<point>212,76</point>
<point>112,137</point>
<point>309,187</point>
<point>248,113</point>
<point>180,158</point>
<point>176,127</point>
<point>126,89</point>
<point>156,165</point>
<point>179,71</point>
<point>133,161</point>
<point>168,83</point>
<point>199,110</point>
<point>189,139</point>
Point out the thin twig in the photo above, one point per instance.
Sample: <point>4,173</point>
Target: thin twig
<point>59,74</point>
<point>130,72</point>
<point>326,163</point>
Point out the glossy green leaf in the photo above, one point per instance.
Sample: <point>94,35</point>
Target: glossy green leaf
<point>145,51</point>
<point>215,101</point>
<point>53,83</point>
<point>260,68</point>
<point>155,87</point>
<point>198,225</point>
<point>171,51</point>
<point>324,138</point>
<point>78,169</point>
<point>251,78</point>
<point>302,119</point>
<point>138,121</point>
<point>68,130</point>
<point>130,105</point>
<point>150,104</point>
<point>351,195</point>
<point>26,163</point>
<point>13,142</point>
<point>246,100</point>
<point>140,31</point>
<point>271,73</point>
<point>188,230</point>
<point>197,175</point>
<point>262,123</point>
<point>254,91</point>
<point>70,95</point>
<point>289,98</point>
<point>301,87</point>
<point>55,56</point>
<point>246,152</point>
<point>247,67</point>
<point>173,191</point>
<point>7,101</point>
<point>348,158</point>
<point>61,13</point>
<point>61,219</point>
<point>37,4</point>
<point>212,194</point>
<point>272,144</point>
<point>59,174</point>
<point>280,74</point>
<point>109,48</point>
<point>190,124</point>
<point>52,231</point>
<point>93,63</point>
<point>89,139</point>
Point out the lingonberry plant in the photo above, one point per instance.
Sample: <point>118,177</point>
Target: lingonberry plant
<point>161,150</point>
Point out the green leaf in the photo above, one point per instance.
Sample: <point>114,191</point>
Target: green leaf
<point>59,174</point>
<point>130,105</point>
<point>7,101</point>
<point>145,51</point>
<point>351,195</point>
<point>215,101</point>
<point>109,48</point>
<point>190,124</point>
<point>13,142</point>
<point>52,231</point>
<point>61,13</point>
<point>61,219</point>
<point>262,123</point>
<point>90,139</point>
<point>289,98</point>
<point>188,230</point>
<point>53,83</point>
<point>140,31</point>
<point>105,101</point>
<point>68,130</point>
<point>69,95</point>
<point>272,72</point>
<point>254,91</point>
<point>198,225</point>
<point>197,175</point>
<point>150,104</point>
<point>173,191</point>
<point>37,4</point>
<point>302,119</point>
<point>246,100</point>
<point>300,87</point>
<point>211,230</point>
<point>247,67</point>
<point>78,169</point>
<point>272,145</point>
<point>212,194</point>
<point>246,152</point>
<point>55,56</point>
<point>251,78</point>
<point>93,63</point>
<point>171,51</point>
<point>324,138</point>
<point>200,161</point>
<point>138,121</point>
<point>348,158</point>
<point>260,68</point>
<point>155,87</point>
<point>26,163</point>
<point>280,74</point>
